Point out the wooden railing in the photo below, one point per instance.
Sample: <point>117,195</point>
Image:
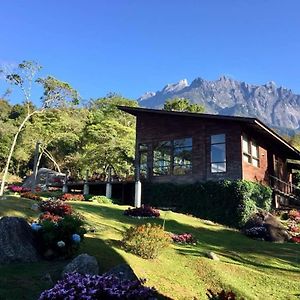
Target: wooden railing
<point>284,187</point>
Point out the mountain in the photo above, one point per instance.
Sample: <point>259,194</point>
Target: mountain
<point>276,106</point>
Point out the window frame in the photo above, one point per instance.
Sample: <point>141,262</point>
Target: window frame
<point>211,155</point>
<point>250,156</point>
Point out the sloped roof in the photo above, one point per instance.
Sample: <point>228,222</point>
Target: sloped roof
<point>254,123</point>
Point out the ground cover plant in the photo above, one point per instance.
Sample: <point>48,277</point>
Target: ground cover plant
<point>183,238</point>
<point>77,286</point>
<point>251,269</point>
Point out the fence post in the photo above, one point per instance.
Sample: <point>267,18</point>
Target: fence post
<point>86,187</point>
<point>65,186</point>
<point>108,189</point>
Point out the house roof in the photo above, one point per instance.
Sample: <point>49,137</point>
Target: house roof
<point>253,123</point>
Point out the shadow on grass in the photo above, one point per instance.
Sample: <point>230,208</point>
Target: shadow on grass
<point>225,242</point>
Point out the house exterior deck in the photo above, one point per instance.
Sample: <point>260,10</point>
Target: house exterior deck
<point>182,147</point>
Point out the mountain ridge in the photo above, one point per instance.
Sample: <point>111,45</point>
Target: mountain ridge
<point>275,105</point>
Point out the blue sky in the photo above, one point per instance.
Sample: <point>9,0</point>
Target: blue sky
<point>134,46</point>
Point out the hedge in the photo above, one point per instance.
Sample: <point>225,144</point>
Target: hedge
<point>226,202</point>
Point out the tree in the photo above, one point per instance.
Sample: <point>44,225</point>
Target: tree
<point>183,104</point>
<point>108,137</point>
<point>56,94</point>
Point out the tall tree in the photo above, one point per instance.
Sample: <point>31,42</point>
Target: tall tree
<point>56,94</point>
<point>183,104</point>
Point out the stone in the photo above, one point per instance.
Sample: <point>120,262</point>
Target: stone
<point>264,225</point>
<point>47,278</point>
<point>83,264</point>
<point>123,272</point>
<point>35,207</point>
<point>212,256</point>
<point>17,242</point>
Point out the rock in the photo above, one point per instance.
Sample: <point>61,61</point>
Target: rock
<point>122,272</point>
<point>47,278</point>
<point>212,256</point>
<point>83,264</point>
<point>35,207</point>
<point>265,226</point>
<point>17,242</point>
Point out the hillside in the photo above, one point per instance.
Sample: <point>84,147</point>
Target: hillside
<point>276,106</point>
<point>253,269</point>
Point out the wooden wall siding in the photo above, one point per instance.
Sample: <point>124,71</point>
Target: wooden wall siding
<point>153,127</point>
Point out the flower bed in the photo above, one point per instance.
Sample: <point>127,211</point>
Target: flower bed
<point>77,286</point>
<point>30,195</point>
<point>145,211</point>
<point>295,239</point>
<point>294,215</point>
<point>56,207</point>
<point>183,238</point>
<point>72,197</point>
<point>17,188</point>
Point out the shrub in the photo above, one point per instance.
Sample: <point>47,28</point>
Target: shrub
<point>295,239</point>
<point>30,195</point>
<point>294,215</point>
<point>99,199</point>
<point>56,207</point>
<point>223,295</point>
<point>144,211</point>
<point>225,202</point>
<point>146,240</point>
<point>60,237</point>
<point>49,217</point>
<point>72,197</point>
<point>77,286</point>
<point>183,238</point>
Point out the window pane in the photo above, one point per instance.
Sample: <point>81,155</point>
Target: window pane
<point>247,158</point>
<point>218,138</point>
<point>143,164</point>
<point>218,167</point>
<point>246,145</point>
<point>182,169</point>
<point>255,162</point>
<point>162,159</point>
<point>254,150</point>
<point>183,143</point>
<point>218,153</point>
<point>143,147</point>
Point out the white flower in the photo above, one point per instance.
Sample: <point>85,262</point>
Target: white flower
<point>61,244</point>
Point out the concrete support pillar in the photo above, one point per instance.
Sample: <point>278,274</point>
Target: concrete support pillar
<point>138,194</point>
<point>108,190</point>
<point>65,186</point>
<point>86,189</point>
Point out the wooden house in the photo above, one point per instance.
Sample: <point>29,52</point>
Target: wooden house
<point>183,147</point>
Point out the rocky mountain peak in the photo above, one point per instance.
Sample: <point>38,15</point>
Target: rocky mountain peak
<point>276,106</point>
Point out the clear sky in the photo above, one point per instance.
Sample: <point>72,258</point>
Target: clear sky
<point>134,46</point>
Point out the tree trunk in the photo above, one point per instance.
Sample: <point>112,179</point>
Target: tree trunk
<point>12,150</point>
<point>49,155</point>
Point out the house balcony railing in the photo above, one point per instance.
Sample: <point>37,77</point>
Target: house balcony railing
<point>285,188</point>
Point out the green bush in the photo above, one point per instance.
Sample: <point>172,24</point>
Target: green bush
<point>146,240</point>
<point>99,199</point>
<point>226,202</point>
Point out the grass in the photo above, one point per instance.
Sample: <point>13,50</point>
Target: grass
<point>253,269</point>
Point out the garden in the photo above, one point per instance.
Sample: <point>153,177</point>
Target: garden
<point>167,251</point>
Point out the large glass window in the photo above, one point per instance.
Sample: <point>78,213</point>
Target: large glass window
<point>182,156</point>
<point>162,158</point>
<point>143,160</point>
<point>218,153</point>
<point>250,151</point>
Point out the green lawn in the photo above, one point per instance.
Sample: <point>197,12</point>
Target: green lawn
<point>253,269</point>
